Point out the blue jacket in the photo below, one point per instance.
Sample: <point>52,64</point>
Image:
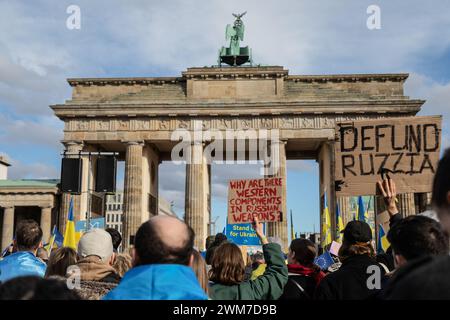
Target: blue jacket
<point>158,282</point>
<point>22,263</point>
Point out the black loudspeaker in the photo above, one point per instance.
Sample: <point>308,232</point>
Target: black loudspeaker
<point>71,175</point>
<point>105,180</point>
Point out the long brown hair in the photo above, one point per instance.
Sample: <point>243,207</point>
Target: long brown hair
<point>348,249</point>
<point>227,265</point>
<point>59,260</point>
<point>199,266</point>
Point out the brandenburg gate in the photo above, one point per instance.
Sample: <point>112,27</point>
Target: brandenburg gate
<point>136,117</point>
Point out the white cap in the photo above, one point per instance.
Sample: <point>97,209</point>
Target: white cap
<point>96,242</point>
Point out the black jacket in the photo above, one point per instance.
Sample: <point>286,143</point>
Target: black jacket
<point>387,258</point>
<point>292,291</point>
<point>350,281</point>
<point>422,279</point>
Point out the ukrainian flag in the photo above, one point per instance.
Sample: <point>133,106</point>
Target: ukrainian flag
<point>339,224</point>
<point>363,214</point>
<point>56,240</point>
<point>69,234</point>
<point>383,243</point>
<point>326,223</point>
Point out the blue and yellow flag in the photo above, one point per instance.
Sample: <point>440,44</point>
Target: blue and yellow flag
<point>70,239</point>
<point>326,224</point>
<point>339,224</point>
<point>363,214</point>
<point>383,243</point>
<point>56,240</point>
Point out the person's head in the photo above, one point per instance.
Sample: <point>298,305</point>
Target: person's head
<point>164,240</point>
<point>417,236</point>
<point>302,251</point>
<point>357,240</point>
<point>96,242</point>
<point>227,265</point>
<point>440,199</point>
<point>209,241</point>
<point>122,263</point>
<point>115,236</point>
<point>36,288</point>
<point>199,266</point>
<point>219,239</point>
<point>28,236</point>
<point>60,259</point>
<point>42,254</point>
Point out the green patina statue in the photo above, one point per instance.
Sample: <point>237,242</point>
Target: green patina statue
<point>234,55</point>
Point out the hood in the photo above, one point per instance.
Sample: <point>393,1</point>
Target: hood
<point>94,269</point>
<point>158,282</point>
<point>20,264</point>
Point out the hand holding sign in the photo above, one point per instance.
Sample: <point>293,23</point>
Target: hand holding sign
<point>259,229</point>
<point>388,190</point>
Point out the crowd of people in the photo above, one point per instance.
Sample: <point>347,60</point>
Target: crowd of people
<point>163,263</point>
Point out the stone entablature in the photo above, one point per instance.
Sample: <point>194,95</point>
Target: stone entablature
<point>245,85</point>
<point>40,197</point>
<point>140,128</point>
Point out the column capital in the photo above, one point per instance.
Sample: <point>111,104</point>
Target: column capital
<point>70,143</point>
<point>133,142</point>
<point>7,206</point>
<point>46,207</point>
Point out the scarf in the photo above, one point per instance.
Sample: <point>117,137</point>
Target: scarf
<point>299,269</point>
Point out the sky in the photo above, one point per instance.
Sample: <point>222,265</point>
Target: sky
<point>163,38</point>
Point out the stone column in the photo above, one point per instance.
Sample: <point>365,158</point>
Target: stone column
<point>344,207</point>
<point>406,204</point>
<point>132,195</point>
<point>8,227</point>
<point>72,147</point>
<point>46,220</point>
<point>196,194</point>
<point>280,229</point>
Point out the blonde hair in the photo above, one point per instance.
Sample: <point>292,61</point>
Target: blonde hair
<point>199,266</point>
<point>122,263</point>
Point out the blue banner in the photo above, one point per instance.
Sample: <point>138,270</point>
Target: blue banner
<point>242,234</point>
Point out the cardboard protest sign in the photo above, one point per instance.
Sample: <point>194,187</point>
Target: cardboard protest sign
<point>242,234</point>
<point>255,197</point>
<point>406,148</point>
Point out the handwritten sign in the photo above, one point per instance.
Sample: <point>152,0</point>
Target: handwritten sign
<point>242,234</point>
<point>407,148</point>
<point>255,197</point>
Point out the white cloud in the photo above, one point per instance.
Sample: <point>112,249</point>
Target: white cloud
<point>34,170</point>
<point>437,95</point>
<point>44,131</point>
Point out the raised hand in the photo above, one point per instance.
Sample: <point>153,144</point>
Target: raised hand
<point>259,229</point>
<point>389,193</point>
